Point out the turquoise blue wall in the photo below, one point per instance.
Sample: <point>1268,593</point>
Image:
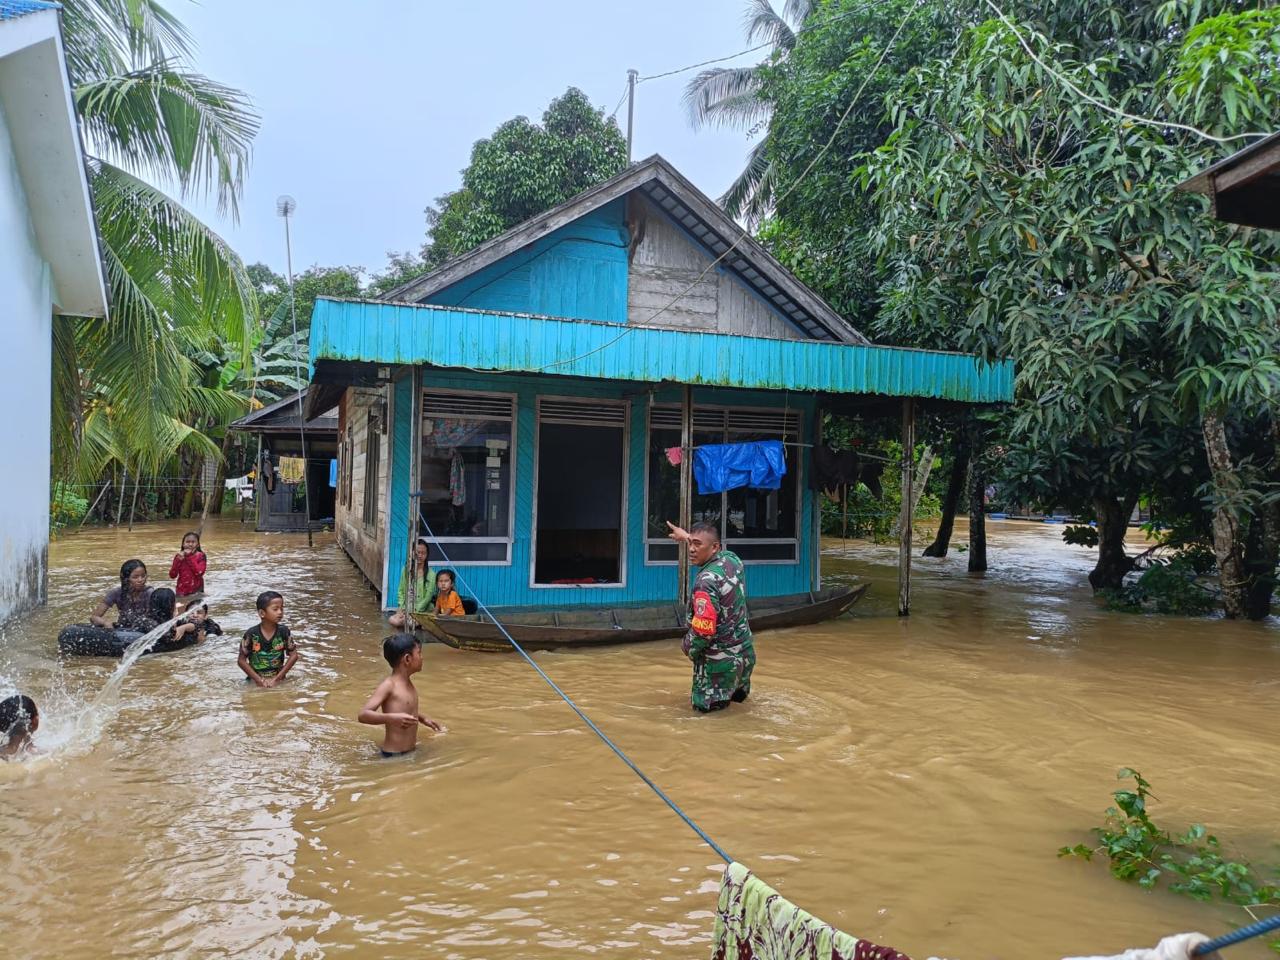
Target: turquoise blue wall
<point>578,271</point>
<point>402,410</point>
<point>509,585</point>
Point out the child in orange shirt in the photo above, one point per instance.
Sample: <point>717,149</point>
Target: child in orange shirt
<point>448,603</point>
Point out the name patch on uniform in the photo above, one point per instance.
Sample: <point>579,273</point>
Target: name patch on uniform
<point>703,620</point>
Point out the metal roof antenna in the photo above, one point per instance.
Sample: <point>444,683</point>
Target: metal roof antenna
<point>285,206</point>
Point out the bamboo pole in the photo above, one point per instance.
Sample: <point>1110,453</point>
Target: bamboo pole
<point>908,498</point>
<point>124,484</point>
<point>686,479</point>
<point>415,459</point>
<point>105,486</point>
<point>133,505</point>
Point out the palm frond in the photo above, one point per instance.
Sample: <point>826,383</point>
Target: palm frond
<point>706,92</point>
<point>111,36</point>
<point>750,196</point>
<point>173,124</point>
<point>797,12</point>
<point>763,25</point>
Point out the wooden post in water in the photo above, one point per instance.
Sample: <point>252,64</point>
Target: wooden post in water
<point>904,519</point>
<point>815,549</point>
<point>686,479</point>
<point>415,462</point>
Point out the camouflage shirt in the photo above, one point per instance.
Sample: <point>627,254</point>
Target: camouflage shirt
<point>718,608</point>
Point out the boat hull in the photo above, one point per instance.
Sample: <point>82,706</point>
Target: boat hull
<point>551,630</point>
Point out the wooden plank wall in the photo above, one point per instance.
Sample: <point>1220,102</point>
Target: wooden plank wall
<point>666,262</point>
<point>365,545</point>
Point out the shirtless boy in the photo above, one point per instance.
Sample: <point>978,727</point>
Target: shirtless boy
<point>395,703</point>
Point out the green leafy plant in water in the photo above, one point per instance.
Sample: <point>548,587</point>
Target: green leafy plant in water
<point>1166,586</point>
<point>1190,863</point>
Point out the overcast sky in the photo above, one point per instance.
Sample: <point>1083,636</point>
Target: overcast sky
<point>369,109</point>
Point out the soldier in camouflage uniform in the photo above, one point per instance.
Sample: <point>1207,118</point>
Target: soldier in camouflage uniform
<point>719,637</point>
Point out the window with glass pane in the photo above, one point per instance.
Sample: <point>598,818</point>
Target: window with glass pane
<point>759,525</point>
<point>466,473</point>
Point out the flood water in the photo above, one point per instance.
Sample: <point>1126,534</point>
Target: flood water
<point>907,779</point>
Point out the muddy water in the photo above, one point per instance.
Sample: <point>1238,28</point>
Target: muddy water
<point>909,780</point>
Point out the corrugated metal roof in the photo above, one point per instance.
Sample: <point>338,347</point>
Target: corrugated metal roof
<point>390,333</point>
<point>12,9</point>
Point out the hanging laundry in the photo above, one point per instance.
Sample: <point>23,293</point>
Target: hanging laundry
<point>833,469</point>
<point>457,480</point>
<point>452,432</point>
<point>675,456</point>
<point>333,473</point>
<point>292,469</point>
<point>727,466</point>
<point>755,922</point>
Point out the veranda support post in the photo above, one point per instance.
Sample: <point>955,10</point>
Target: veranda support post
<point>686,478</point>
<point>904,518</point>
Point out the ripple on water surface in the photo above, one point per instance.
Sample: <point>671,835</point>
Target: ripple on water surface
<point>909,779</point>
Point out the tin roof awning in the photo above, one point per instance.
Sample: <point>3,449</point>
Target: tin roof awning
<point>378,333</point>
<point>1244,188</point>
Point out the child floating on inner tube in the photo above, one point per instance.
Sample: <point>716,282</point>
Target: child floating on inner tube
<point>163,602</point>
<point>132,598</point>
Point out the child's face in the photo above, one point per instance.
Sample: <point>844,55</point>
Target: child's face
<point>444,583</point>
<point>138,579</point>
<point>420,551</point>
<point>199,615</point>
<point>190,544</point>
<point>413,659</point>
<point>274,612</point>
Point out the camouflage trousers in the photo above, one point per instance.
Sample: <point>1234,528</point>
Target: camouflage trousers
<point>723,674</point>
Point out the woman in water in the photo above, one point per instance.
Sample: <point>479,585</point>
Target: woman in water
<point>424,585</point>
<point>189,566</point>
<point>132,598</point>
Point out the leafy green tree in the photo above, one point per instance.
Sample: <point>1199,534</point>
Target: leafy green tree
<point>1024,220</point>
<point>523,169</point>
<point>273,290</point>
<point>126,389</point>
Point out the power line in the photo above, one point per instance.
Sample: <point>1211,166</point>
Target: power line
<point>1146,121</point>
<point>614,112</point>
<point>853,102</point>
<point>704,63</point>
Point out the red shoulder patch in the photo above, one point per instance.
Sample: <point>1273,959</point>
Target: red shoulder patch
<point>703,620</point>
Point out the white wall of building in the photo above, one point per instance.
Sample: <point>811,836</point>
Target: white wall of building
<point>26,316</point>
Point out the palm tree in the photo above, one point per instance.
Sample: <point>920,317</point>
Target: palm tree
<point>127,388</point>
<point>730,97</point>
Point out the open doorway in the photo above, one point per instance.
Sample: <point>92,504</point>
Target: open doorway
<point>581,484</point>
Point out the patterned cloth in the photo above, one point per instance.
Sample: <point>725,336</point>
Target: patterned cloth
<point>719,637</point>
<point>457,480</point>
<point>755,922</point>
<point>267,656</point>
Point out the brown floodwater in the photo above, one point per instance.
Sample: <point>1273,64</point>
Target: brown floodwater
<point>907,779</point>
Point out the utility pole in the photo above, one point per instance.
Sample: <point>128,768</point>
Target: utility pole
<point>284,208</point>
<point>631,108</point>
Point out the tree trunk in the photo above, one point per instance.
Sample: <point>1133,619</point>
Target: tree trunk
<point>950,502</point>
<point>1263,554</point>
<point>1228,538</point>
<point>977,493</point>
<point>189,498</point>
<point>1113,561</point>
<point>219,481</point>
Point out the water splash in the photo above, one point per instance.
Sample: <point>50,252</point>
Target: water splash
<point>71,725</point>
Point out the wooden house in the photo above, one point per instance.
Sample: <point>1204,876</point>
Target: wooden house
<point>282,445</point>
<point>520,405</point>
<point>1243,188</point>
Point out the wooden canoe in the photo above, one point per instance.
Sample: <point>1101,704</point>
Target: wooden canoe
<point>625,623</point>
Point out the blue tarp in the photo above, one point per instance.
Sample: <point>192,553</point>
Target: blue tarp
<point>727,466</point>
<point>333,473</point>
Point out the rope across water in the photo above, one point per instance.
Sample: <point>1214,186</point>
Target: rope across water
<point>573,706</point>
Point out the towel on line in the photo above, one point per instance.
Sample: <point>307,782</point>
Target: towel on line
<point>755,922</point>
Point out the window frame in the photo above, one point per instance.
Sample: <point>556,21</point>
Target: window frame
<point>725,432</point>
<point>625,404</point>
<point>372,470</point>
<point>510,539</point>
